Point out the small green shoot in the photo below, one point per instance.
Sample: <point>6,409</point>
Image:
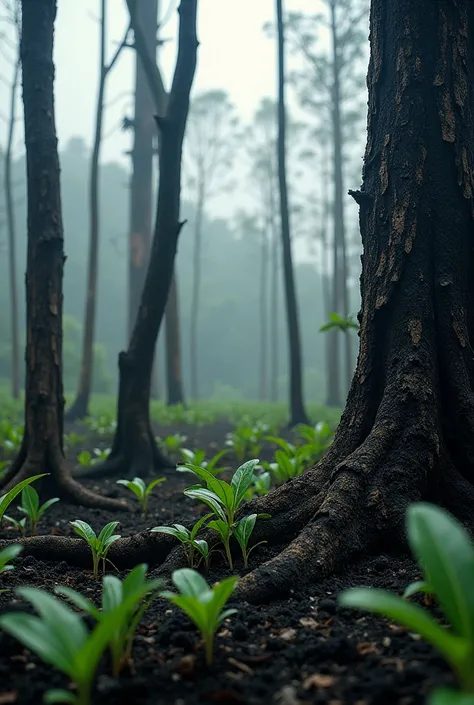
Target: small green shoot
<point>141,490</point>
<point>31,508</point>
<point>173,442</point>
<point>8,554</point>
<point>60,637</point>
<point>114,593</point>
<point>196,549</point>
<point>18,524</point>
<point>198,458</point>
<point>100,544</point>
<point>446,556</point>
<point>7,499</point>
<point>202,604</point>
<point>243,531</point>
<point>338,322</point>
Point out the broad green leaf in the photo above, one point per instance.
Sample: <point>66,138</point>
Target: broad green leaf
<point>8,554</point>
<point>107,532</point>
<point>416,587</point>
<point>220,527</point>
<point>445,696</point>
<point>243,529</point>
<point>84,530</point>
<point>153,484</point>
<point>289,448</point>
<point>220,594</point>
<point>112,593</point>
<point>242,480</point>
<point>181,528</point>
<point>29,502</point>
<point>409,615</point>
<point>135,579</point>
<point>107,544</point>
<point>44,507</point>
<point>445,552</point>
<point>209,499</point>
<point>190,583</point>
<point>78,599</point>
<point>202,546</point>
<point>224,492</point>
<point>7,499</point>
<point>205,475</point>
<point>132,487</point>
<point>171,532</point>
<point>223,615</point>
<point>59,696</point>
<point>195,610</point>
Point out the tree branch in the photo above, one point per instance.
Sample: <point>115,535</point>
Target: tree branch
<point>118,51</point>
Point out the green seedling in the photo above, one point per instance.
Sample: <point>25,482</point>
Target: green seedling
<point>114,593</point>
<point>18,524</point>
<point>196,549</point>
<point>30,506</point>
<point>72,440</point>
<point>285,466</point>
<point>103,425</point>
<point>60,638</point>
<point>243,531</point>
<point>247,439</point>
<point>317,440</point>
<point>141,491</point>
<point>261,483</point>
<point>8,554</point>
<point>223,499</point>
<point>172,443</point>
<point>85,459</point>
<point>197,458</point>
<point>99,545</point>
<point>338,322</point>
<point>202,604</point>
<point>7,499</point>
<point>11,437</point>
<point>446,556</point>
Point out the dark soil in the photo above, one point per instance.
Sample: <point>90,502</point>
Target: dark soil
<point>303,650</point>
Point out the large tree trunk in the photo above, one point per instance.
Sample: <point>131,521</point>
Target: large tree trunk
<point>195,299</point>
<point>42,447</point>
<point>134,451</point>
<point>297,410</point>
<point>144,134</point>
<point>11,230</point>
<point>80,406</point>
<point>174,373</point>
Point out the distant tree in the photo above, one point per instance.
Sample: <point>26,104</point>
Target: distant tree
<point>297,409</point>
<point>42,446</point>
<point>13,15</point>
<point>210,147</point>
<point>332,90</point>
<point>80,406</point>
<point>134,451</point>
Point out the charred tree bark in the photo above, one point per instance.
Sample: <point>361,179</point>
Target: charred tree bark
<point>11,230</point>
<point>80,407</point>
<point>134,451</point>
<point>42,447</point>
<point>144,135</point>
<point>196,290</point>
<point>174,373</point>
<point>297,411</point>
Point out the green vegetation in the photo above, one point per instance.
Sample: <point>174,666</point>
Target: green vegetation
<point>202,604</point>
<point>136,591</point>
<point>8,554</point>
<point>100,544</point>
<point>196,549</point>
<point>31,508</point>
<point>198,458</point>
<point>141,490</point>
<point>445,554</point>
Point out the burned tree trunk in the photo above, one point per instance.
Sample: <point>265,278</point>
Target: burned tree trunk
<point>297,410</point>
<point>42,447</point>
<point>134,451</point>
<point>174,373</point>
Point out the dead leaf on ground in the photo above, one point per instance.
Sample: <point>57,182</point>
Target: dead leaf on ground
<point>309,622</point>
<point>287,634</point>
<point>318,680</point>
<point>241,666</point>
<point>365,648</point>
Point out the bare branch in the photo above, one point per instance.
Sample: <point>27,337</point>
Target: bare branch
<point>118,51</point>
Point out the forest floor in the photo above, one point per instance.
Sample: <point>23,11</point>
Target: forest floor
<point>294,652</point>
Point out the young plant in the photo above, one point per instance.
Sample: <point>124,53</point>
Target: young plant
<point>100,544</point>
<point>223,499</point>
<point>202,604</point>
<point>8,554</point>
<point>288,463</point>
<point>141,491</point>
<point>243,531</point>
<point>60,637</point>
<point>197,458</point>
<point>114,593</point>
<point>317,440</point>
<point>12,437</point>
<point>446,556</point>
<point>7,499</point>
<point>85,459</point>
<point>172,443</point>
<point>31,508</point>
<point>72,440</point>
<point>18,524</point>
<point>247,439</point>
<point>192,545</point>
<point>338,322</point>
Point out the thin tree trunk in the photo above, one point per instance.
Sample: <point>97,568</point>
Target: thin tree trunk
<point>80,407</point>
<point>42,446</point>
<point>325,264</point>
<point>339,221</point>
<point>144,135</point>
<point>195,298</point>
<point>274,292</point>
<point>263,298</point>
<point>11,229</point>
<point>174,374</point>
<point>297,410</point>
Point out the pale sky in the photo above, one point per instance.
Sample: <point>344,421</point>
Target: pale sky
<point>234,54</point>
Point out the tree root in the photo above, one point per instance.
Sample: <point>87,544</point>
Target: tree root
<point>59,483</point>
